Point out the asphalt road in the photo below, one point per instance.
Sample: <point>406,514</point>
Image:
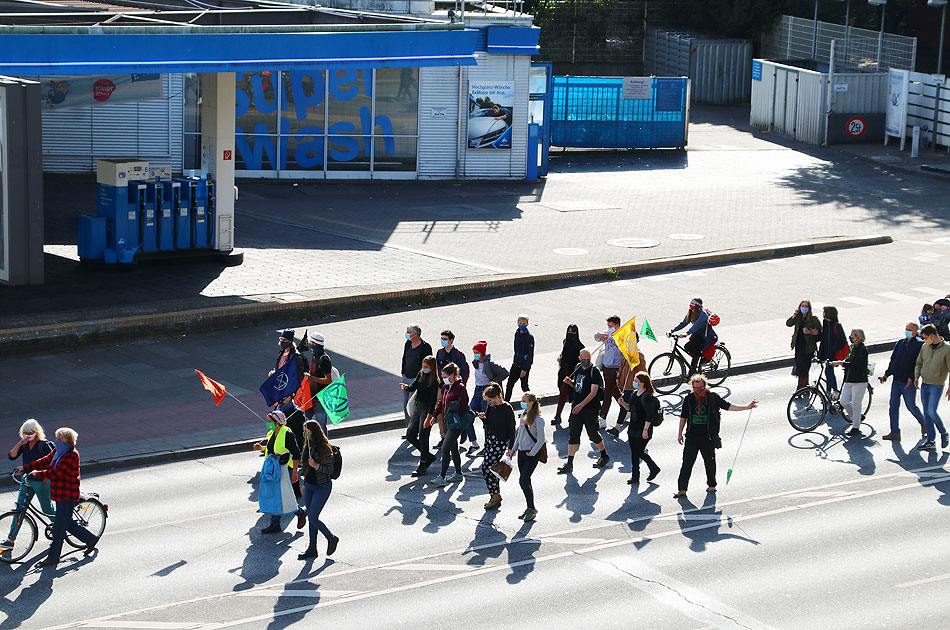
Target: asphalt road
<point>813,530</point>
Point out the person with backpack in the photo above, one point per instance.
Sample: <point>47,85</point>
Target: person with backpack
<point>499,421</point>
<point>588,385</point>
<point>320,468</point>
<point>702,335</point>
<point>531,448</point>
<point>644,415</point>
<point>805,336</point>
<point>319,376</point>
<point>451,411</point>
<point>834,344</point>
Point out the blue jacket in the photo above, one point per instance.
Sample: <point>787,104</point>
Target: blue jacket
<point>524,350</point>
<point>268,494</point>
<point>443,358</point>
<point>903,358</point>
<point>700,327</point>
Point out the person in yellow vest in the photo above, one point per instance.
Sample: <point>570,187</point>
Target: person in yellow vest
<point>280,440</point>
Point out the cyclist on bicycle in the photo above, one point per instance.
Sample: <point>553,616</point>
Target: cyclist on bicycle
<point>702,336</point>
<point>32,446</point>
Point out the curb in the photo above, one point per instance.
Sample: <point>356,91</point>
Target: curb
<point>78,335</point>
<point>922,170</point>
<point>386,424</point>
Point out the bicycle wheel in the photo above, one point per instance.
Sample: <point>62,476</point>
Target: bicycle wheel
<point>25,539</point>
<point>867,402</point>
<point>807,408</point>
<point>90,514</point>
<point>717,368</point>
<point>668,372</point>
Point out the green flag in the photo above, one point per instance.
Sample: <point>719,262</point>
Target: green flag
<point>334,400</point>
<point>646,331</point>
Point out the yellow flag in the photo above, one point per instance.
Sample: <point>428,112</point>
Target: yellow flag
<point>626,338</point>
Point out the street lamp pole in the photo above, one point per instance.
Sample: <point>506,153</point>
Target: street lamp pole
<point>943,27</point>
<point>814,39</point>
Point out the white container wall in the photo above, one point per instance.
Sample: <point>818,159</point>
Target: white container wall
<point>720,70</point>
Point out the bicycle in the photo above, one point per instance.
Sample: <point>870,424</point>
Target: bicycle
<point>88,512</point>
<point>671,369</point>
<point>807,406</point>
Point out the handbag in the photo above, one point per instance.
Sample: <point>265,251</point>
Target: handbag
<point>456,421</point>
<point>502,469</point>
<point>843,353</point>
<point>411,403</point>
<point>543,451</point>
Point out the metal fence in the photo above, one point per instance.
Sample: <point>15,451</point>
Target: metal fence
<point>856,49</point>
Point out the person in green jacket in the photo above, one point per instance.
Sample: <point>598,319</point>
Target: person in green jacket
<point>932,367</point>
<point>804,340</point>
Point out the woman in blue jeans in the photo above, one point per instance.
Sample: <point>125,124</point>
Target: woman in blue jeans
<point>318,467</point>
<point>32,446</point>
<point>932,367</point>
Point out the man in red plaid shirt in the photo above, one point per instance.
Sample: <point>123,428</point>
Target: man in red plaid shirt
<point>61,468</point>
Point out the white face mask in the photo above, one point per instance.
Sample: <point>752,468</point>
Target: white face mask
<point>29,437</point>
<point>447,380</point>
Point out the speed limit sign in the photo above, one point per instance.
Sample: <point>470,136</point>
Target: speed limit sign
<point>856,127</point>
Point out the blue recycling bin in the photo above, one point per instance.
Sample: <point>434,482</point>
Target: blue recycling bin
<point>167,209</point>
<point>91,237</point>
<point>148,219</point>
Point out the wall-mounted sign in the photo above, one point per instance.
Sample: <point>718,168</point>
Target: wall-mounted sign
<point>439,112</point>
<point>637,88</point>
<point>65,92</point>
<point>490,107</point>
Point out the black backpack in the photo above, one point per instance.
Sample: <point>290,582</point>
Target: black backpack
<point>337,462</point>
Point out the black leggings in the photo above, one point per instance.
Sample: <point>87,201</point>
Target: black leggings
<point>417,435</point>
<point>450,446</point>
<point>515,375</point>
<point>637,446</point>
<point>526,467</point>
<point>696,445</point>
<point>694,348</point>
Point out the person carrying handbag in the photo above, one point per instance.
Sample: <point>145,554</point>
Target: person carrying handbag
<point>531,448</point>
<point>453,414</point>
<point>499,421</point>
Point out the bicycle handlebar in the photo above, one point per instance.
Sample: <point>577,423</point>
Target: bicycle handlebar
<point>22,478</point>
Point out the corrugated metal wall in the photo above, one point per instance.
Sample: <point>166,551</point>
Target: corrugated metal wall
<point>438,89</point>
<point>720,69</point>
<point>493,163</point>
<point>812,118</point>
<point>790,101</point>
<point>666,54</point>
<point>74,139</point>
<point>760,113</point>
<point>866,94</point>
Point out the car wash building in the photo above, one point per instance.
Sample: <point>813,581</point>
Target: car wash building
<point>252,89</point>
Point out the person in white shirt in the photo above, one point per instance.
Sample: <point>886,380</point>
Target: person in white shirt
<point>529,440</point>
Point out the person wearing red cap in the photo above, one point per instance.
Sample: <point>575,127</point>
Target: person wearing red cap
<point>485,371</point>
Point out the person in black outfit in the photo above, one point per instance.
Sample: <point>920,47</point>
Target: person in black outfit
<point>644,411</point>
<point>588,385</point>
<point>320,375</point>
<point>289,352</point>
<point>855,381</point>
<point>569,357</point>
<point>524,357</point>
<point>317,470</point>
<point>413,352</point>
<point>833,341</point>
<point>499,421</point>
<point>427,387</point>
<point>700,418</point>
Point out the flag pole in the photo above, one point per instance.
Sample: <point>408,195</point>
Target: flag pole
<point>729,472</point>
<point>242,404</point>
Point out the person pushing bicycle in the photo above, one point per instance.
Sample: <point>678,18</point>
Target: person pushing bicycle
<point>702,336</point>
<point>32,446</point>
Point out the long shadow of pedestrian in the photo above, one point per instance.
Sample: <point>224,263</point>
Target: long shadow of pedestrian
<point>559,437</point>
<point>294,597</point>
<point>442,512</point>
<point>521,555</point>
<point>637,511</point>
<point>31,598</point>
<point>914,460</point>
<point>402,462</point>
<point>410,497</point>
<point>580,499</point>
<point>701,526</point>
<point>487,542</point>
<point>857,448</point>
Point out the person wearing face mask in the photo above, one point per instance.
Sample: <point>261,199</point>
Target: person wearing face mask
<point>280,441</point>
<point>805,336</point>
<point>317,470</point>
<point>700,416</point>
<point>289,352</point>
<point>834,345</point>
<point>625,383</point>
<point>320,375</point>
<point>448,353</point>
<point>855,380</point>
<point>702,335</point>
<point>566,361</point>
<point>529,440</point>
<point>426,388</point>
<point>32,446</point>
<point>932,367</point>
<point>485,371</point>
<point>413,352</point>
<point>499,421</point>
<point>644,412</point>
<point>453,399</point>
<point>612,359</point>
<point>588,385</point>
<point>524,357</point>
<point>61,469</point>
<point>901,367</point>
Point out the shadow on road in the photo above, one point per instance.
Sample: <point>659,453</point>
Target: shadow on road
<point>701,525</point>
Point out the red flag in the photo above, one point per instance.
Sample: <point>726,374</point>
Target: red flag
<point>217,389</point>
<point>304,399</point>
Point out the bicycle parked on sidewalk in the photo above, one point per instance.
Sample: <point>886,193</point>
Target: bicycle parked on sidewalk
<point>90,512</point>
<point>807,406</point>
<point>671,369</point>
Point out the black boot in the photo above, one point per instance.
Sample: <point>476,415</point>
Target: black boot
<point>311,552</point>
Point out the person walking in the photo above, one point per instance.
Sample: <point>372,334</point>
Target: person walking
<point>61,469</point>
<point>318,471</point>
<point>834,345</point>
<point>644,413</point>
<point>855,384</point>
<point>499,421</point>
<point>612,359</point>
<point>587,383</point>
<point>289,352</point>
<point>524,357</point>
<point>453,401</point>
<point>529,440</point>
<point>486,371</point>
<point>281,440</point>
<point>448,353</point>
<point>805,336</point>
<point>31,447</point>
<point>932,367</point>
<point>567,360</point>
<point>413,352</point>
<point>702,335</point>
<point>700,417</point>
<point>901,367</point>
<point>426,389</point>
<point>625,383</point>
<point>320,375</point>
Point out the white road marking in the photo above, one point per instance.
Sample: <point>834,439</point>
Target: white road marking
<point>620,283</point>
<point>565,541</point>
<point>695,273</point>
<point>677,595</point>
<point>422,566</point>
<point>146,625</point>
<point>929,291</point>
<point>924,581</point>
<point>662,278</point>
<point>858,300</point>
<point>586,287</point>
<point>693,517</point>
<point>272,592</point>
<point>891,295</point>
<point>821,495</point>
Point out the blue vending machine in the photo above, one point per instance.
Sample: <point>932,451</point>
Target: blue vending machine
<point>199,216</point>
<point>120,200</point>
<point>183,215</point>
<point>148,220</point>
<point>167,210</point>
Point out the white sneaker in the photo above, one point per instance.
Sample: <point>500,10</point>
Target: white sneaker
<point>603,422</point>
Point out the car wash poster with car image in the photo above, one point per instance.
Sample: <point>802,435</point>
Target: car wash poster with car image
<point>490,110</point>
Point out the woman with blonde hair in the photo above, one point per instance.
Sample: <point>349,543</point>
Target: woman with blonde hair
<point>855,380</point>
<point>529,440</point>
<point>318,471</point>
<point>32,446</point>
